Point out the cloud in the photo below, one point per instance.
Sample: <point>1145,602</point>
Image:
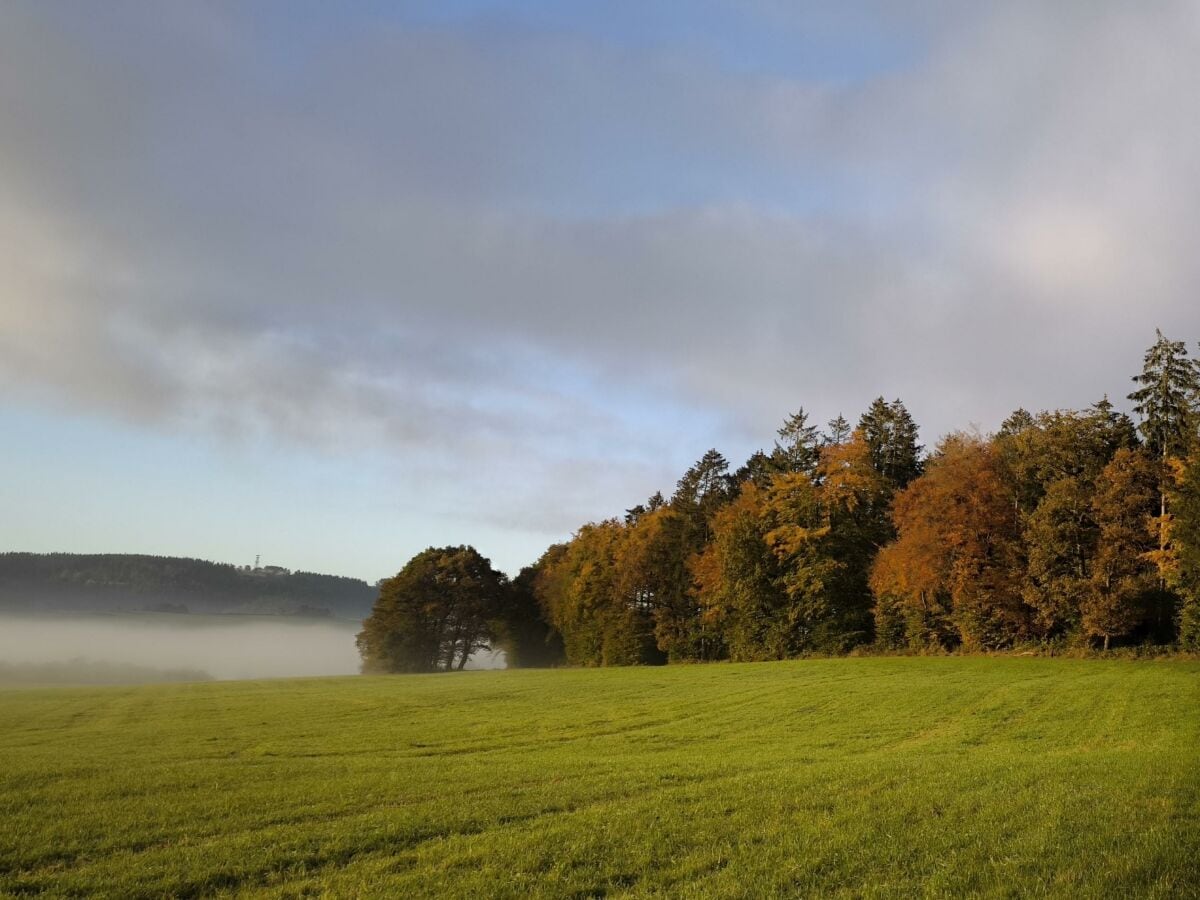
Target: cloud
<point>527,253</point>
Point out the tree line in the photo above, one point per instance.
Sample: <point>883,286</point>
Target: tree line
<point>129,581</point>
<point>1064,528</point>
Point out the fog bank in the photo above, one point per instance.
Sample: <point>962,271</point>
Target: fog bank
<point>224,647</point>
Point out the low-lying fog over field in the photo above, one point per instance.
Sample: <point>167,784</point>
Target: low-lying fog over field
<point>222,647</point>
<point>150,647</point>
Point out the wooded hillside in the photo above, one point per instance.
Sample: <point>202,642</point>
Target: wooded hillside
<point>31,582</point>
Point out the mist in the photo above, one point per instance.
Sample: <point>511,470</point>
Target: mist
<point>223,647</point>
<point>158,647</point>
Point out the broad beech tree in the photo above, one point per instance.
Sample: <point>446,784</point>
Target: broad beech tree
<point>959,532</point>
<point>521,628</point>
<point>434,613</point>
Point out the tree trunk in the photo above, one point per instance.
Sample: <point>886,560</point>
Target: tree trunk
<point>1162,560</point>
<point>1162,523</point>
<point>1106,643</point>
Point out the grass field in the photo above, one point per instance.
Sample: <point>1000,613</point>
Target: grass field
<point>850,777</point>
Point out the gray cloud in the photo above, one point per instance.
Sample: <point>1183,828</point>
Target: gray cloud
<point>525,254</point>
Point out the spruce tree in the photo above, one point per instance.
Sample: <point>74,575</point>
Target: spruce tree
<point>1021,420</point>
<point>891,437</point>
<point>1167,398</point>
<point>839,431</point>
<point>798,446</point>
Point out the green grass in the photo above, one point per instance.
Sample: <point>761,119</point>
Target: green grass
<point>849,777</point>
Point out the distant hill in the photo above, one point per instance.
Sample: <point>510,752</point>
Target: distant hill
<point>116,582</point>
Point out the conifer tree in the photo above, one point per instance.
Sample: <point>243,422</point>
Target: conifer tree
<point>839,431</point>
<point>1167,398</point>
<point>891,437</point>
<point>759,468</point>
<point>1167,401</point>
<point>1020,420</point>
<point>798,446</point>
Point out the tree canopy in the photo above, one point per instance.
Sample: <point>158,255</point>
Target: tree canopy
<point>1065,528</point>
<point>434,613</point>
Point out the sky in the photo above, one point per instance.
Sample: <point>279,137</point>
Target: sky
<point>332,283</point>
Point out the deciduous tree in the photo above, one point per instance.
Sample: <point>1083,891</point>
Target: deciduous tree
<point>957,554</point>
<point>739,583</point>
<point>1123,575</point>
<point>433,614</point>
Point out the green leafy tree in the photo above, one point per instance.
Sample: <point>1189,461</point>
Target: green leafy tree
<point>635,513</point>
<point>759,468</point>
<point>1123,573</point>
<point>1060,538</point>
<point>739,583</point>
<point>798,533</point>
<point>1053,462</point>
<point>1186,537</point>
<point>1020,420</point>
<point>1062,444</point>
<point>856,498</point>
<point>521,628</point>
<point>588,601</point>
<point>433,614</point>
<point>670,542</point>
<point>652,572</point>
